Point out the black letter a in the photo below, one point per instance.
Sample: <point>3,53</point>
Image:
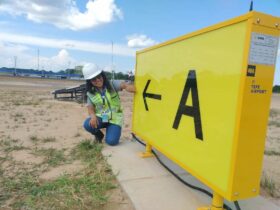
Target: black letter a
<point>192,111</point>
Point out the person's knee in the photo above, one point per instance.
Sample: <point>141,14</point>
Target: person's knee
<point>86,124</point>
<point>113,135</point>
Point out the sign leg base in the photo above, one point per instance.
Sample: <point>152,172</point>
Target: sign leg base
<point>217,203</point>
<point>148,152</point>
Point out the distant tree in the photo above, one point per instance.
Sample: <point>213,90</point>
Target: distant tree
<point>276,89</point>
<point>120,76</point>
<point>108,75</point>
<point>131,78</point>
<point>61,72</point>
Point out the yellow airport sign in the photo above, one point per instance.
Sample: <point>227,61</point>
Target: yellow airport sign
<point>203,100</point>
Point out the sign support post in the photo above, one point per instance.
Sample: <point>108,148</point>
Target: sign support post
<point>148,152</point>
<point>217,203</point>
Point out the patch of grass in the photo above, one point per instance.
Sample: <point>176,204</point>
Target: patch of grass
<point>11,186</point>
<point>53,157</point>
<point>24,101</point>
<point>274,123</point>
<point>1,173</point>
<point>87,151</point>
<point>48,139</point>
<point>8,144</point>
<point>269,185</point>
<point>86,189</point>
<point>66,192</point>
<point>271,152</point>
<point>81,192</point>
<point>18,116</point>
<point>16,103</point>
<point>273,113</point>
<point>34,138</point>
<point>5,143</point>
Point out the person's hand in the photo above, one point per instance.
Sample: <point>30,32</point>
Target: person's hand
<point>93,121</point>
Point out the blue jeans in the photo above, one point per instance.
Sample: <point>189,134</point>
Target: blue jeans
<point>113,132</point>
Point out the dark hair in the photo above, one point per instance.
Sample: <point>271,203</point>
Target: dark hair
<point>106,84</point>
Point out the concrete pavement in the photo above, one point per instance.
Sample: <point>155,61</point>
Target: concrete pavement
<point>151,187</point>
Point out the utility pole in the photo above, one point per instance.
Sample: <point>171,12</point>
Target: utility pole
<point>68,71</point>
<point>15,70</point>
<point>38,62</point>
<point>112,62</point>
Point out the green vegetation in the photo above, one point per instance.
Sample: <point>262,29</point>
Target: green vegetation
<point>274,123</point>
<point>271,152</point>
<point>7,144</point>
<point>85,189</point>
<point>34,138</point>
<point>52,157</point>
<point>276,89</point>
<point>20,102</point>
<point>269,185</point>
<point>88,152</point>
<point>48,139</point>
<point>273,113</point>
<point>119,76</point>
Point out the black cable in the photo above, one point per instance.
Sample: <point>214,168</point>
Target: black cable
<point>237,205</point>
<point>183,181</point>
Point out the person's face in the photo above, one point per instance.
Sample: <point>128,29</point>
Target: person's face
<point>97,81</point>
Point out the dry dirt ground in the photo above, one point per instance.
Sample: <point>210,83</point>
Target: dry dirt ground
<point>271,165</point>
<point>40,141</point>
<point>39,134</point>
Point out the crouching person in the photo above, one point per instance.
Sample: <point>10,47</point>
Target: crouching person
<point>104,105</point>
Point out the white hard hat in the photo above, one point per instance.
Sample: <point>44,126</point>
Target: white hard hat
<point>90,70</point>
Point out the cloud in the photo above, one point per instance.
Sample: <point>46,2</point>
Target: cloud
<point>68,44</point>
<point>64,13</point>
<point>139,41</point>
<point>61,61</point>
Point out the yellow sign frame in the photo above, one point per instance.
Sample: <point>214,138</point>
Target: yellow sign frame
<point>245,87</point>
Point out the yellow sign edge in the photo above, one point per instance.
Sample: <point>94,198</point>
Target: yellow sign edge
<point>215,27</point>
<point>239,108</point>
<point>251,23</point>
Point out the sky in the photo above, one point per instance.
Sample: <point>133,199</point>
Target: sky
<point>68,33</point>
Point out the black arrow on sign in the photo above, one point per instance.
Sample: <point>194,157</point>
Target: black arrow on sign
<point>149,95</point>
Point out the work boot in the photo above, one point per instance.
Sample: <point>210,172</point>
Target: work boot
<point>99,136</point>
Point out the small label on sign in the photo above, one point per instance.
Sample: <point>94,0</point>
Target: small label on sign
<point>263,49</point>
<point>251,71</point>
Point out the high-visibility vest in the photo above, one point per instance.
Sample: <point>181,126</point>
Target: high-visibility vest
<point>112,106</point>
